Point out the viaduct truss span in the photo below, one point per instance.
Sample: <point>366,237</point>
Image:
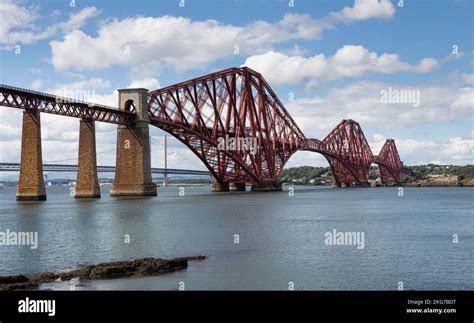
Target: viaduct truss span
<point>234,103</point>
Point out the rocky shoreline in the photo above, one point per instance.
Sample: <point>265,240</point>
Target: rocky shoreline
<point>107,270</point>
<point>442,181</point>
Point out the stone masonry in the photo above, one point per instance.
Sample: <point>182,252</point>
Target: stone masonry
<point>133,160</point>
<point>31,183</point>
<point>87,184</point>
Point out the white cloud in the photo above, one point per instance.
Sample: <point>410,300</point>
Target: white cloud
<point>89,84</point>
<point>149,83</point>
<point>97,90</point>
<point>455,150</point>
<point>464,104</point>
<point>144,42</point>
<point>77,20</point>
<point>14,17</point>
<point>361,101</point>
<point>85,90</point>
<point>18,23</point>
<point>468,78</point>
<point>365,9</point>
<point>36,84</point>
<point>348,61</point>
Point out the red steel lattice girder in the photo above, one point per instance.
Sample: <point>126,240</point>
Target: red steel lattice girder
<point>389,162</point>
<point>240,103</point>
<point>31,100</point>
<point>236,102</point>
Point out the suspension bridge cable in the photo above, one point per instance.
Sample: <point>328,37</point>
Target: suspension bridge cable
<point>175,154</point>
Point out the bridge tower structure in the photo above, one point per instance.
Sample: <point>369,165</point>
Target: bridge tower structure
<point>133,158</point>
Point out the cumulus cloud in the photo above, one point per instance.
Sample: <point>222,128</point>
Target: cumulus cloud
<point>361,101</point>
<point>15,17</point>
<point>87,90</point>
<point>364,9</point>
<point>77,20</point>
<point>149,83</point>
<point>19,23</point>
<point>464,104</point>
<point>184,44</point>
<point>455,150</point>
<point>88,84</point>
<point>348,61</point>
<point>36,84</point>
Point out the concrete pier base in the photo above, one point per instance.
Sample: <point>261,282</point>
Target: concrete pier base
<point>87,183</point>
<point>31,183</point>
<point>219,187</point>
<point>133,161</point>
<point>237,187</point>
<point>266,187</point>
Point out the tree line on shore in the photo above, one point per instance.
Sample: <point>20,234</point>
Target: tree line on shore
<point>308,175</point>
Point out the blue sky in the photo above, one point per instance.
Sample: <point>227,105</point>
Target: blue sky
<point>334,57</point>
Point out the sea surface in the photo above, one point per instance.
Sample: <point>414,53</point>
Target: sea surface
<point>418,238</point>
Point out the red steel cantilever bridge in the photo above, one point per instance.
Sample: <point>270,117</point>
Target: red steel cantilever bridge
<point>232,103</point>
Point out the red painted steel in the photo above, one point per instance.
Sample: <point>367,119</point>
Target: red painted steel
<point>14,97</point>
<point>389,162</point>
<point>236,102</point>
<point>232,104</point>
<point>239,102</point>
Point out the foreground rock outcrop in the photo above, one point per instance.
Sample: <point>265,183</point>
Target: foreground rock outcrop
<point>107,270</point>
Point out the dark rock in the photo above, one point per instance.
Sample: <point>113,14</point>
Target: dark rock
<point>107,270</point>
<point>13,279</point>
<point>43,277</point>
<point>198,258</point>
<point>19,286</point>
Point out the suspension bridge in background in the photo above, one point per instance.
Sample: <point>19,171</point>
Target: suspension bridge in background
<point>15,167</point>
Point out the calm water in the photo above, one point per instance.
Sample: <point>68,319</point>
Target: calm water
<point>281,237</point>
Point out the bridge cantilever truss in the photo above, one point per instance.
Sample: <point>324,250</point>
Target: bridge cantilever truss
<point>350,156</point>
<point>233,103</point>
<point>239,103</point>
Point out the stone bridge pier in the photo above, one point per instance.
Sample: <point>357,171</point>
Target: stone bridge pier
<point>31,183</point>
<point>133,160</point>
<point>87,183</point>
